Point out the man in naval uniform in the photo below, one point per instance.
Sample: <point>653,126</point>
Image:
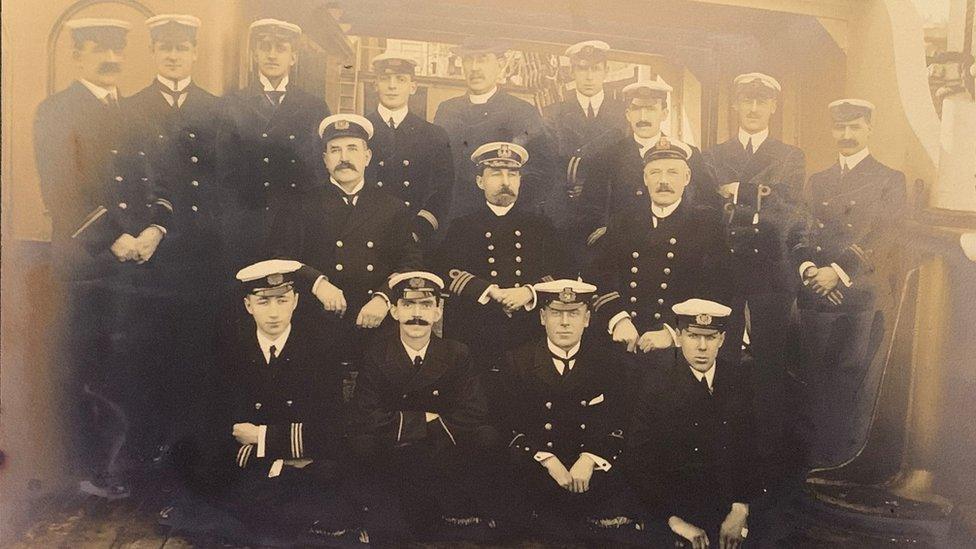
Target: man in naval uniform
<point>268,149</point>
<point>411,157</point>
<point>761,180</point>
<point>173,120</point>
<point>419,423</point>
<point>352,237</point>
<point>563,409</point>
<point>616,176</point>
<point>492,257</point>
<point>653,257</point>
<point>108,218</point>
<point>847,262</point>
<point>276,432</point>
<point>486,114</point>
<point>691,442</point>
<point>581,128</point>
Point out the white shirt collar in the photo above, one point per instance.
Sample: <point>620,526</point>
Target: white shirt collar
<point>179,87</point>
<point>279,343</point>
<point>500,210</point>
<point>853,160</point>
<point>596,100</point>
<point>709,376</point>
<point>664,211</point>
<point>356,189</point>
<point>758,138</point>
<point>482,98</point>
<point>397,115</point>
<point>422,353</point>
<point>647,143</point>
<point>282,86</point>
<point>557,351</point>
<point>100,92</point>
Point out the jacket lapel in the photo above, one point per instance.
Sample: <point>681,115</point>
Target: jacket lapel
<point>362,212</point>
<point>543,368</point>
<point>434,366</point>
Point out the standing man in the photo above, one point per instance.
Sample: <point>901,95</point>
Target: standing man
<point>654,257</point>
<point>352,237</point>
<point>692,440</point>
<point>412,157</point>
<point>277,433</point>
<point>420,416</point>
<point>267,144</point>
<point>615,176</point>
<point>486,114</point>
<point>581,128</point>
<point>847,262</point>
<point>760,180</point>
<point>563,405</point>
<point>173,120</point>
<point>493,256</point>
<point>108,218</point>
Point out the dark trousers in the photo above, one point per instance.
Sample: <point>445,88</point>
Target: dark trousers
<point>771,333</point>
<point>291,503</point>
<point>842,379</point>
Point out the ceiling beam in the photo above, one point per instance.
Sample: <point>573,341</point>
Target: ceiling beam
<point>841,10</point>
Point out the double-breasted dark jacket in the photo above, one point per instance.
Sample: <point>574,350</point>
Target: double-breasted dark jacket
<point>413,162</point>
<point>580,410</point>
<point>757,227</point>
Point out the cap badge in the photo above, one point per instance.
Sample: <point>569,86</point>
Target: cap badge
<point>567,295</point>
<point>703,319</point>
<point>504,151</point>
<point>342,124</point>
<point>416,282</point>
<point>275,279</point>
<point>586,51</point>
<point>664,143</point>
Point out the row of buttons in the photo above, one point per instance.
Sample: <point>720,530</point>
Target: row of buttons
<point>405,163</point>
<point>339,267</point>
<point>257,405</point>
<point>517,233</point>
<point>339,244</point>
<point>265,135</point>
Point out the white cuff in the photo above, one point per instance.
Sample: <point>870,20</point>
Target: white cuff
<point>386,299</point>
<point>532,302</point>
<point>616,319</point>
<point>160,227</point>
<point>318,281</point>
<point>599,462</point>
<point>806,265</point>
<point>276,467</point>
<point>735,192</point>
<point>674,334</point>
<point>262,434</point>
<point>542,456</point>
<point>843,276</point>
<point>741,507</point>
<point>484,299</point>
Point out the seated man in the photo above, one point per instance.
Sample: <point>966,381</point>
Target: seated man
<point>419,415</point>
<point>277,439</point>
<point>692,445</point>
<point>563,405</point>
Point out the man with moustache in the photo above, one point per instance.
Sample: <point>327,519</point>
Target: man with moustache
<point>173,120</point>
<point>563,408</point>
<point>268,149</point>
<point>615,176</point>
<point>653,257</point>
<point>692,445</point>
<point>419,419</point>
<point>761,181</point>
<point>108,218</point>
<point>491,258</point>
<point>412,157</point>
<point>352,237</point>
<point>486,114</point>
<point>581,127</point>
<point>276,429</point>
<point>847,262</point>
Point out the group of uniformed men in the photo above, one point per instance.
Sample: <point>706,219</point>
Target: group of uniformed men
<point>647,421</point>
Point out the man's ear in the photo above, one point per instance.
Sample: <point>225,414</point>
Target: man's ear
<point>478,181</point>
<point>413,87</point>
<point>438,313</point>
<point>295,303</point>
<point>775,106</point>
<point>394,312</point>
<point>542,316</point>
<point>586,319</point>
<point>368,152</point>
<point>247,305</point>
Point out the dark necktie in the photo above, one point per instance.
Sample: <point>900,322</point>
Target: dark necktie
<point>749,149</point>
<point>418,361</point>
<point>844,170</point>
<point>274,97</point>
<point>704,385</point>
<point>350,199</point>
<point>272,355</point>
<point>174,95</point>
<point>565,361</point>
<point>112,101</point>
<point>590,113</point>
<point>391,123</point>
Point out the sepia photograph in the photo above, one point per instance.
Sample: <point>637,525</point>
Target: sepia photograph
<point>529,274</point>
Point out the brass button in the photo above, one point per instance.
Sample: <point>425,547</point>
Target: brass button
<point>518,232</point>
<point>194,207</point>
<point>369,268</point>
<point>582,426</point>
<point>338,243</point>
<point>633,299</point>
<point>123,205</point>
<point>673,240</point>
<point>667,270</point>
<point>548,426</point>
<point>369,244</point>
<point>518,245</point>
<point>670,255</point>
<point>488,234</point>
<point>549,445</point>
<point>379,183</point>
<point>338,266</point>
<point>633,270</point>
<point>119,178</point>
<point>660,301</point>
<point>491,247</point>
<point>518,272</point>
<point>494,273</point>
<point>195,183</point>
<point>548,406</point>
<point>664,285</point>
<point>406,183</point>
<point>633,284</point>
<point>657,316</point>
<point>381,163</point>
<point>635,255</point>
<point>266,159</point>
<point>194,159</point>
<point>491,260</point>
